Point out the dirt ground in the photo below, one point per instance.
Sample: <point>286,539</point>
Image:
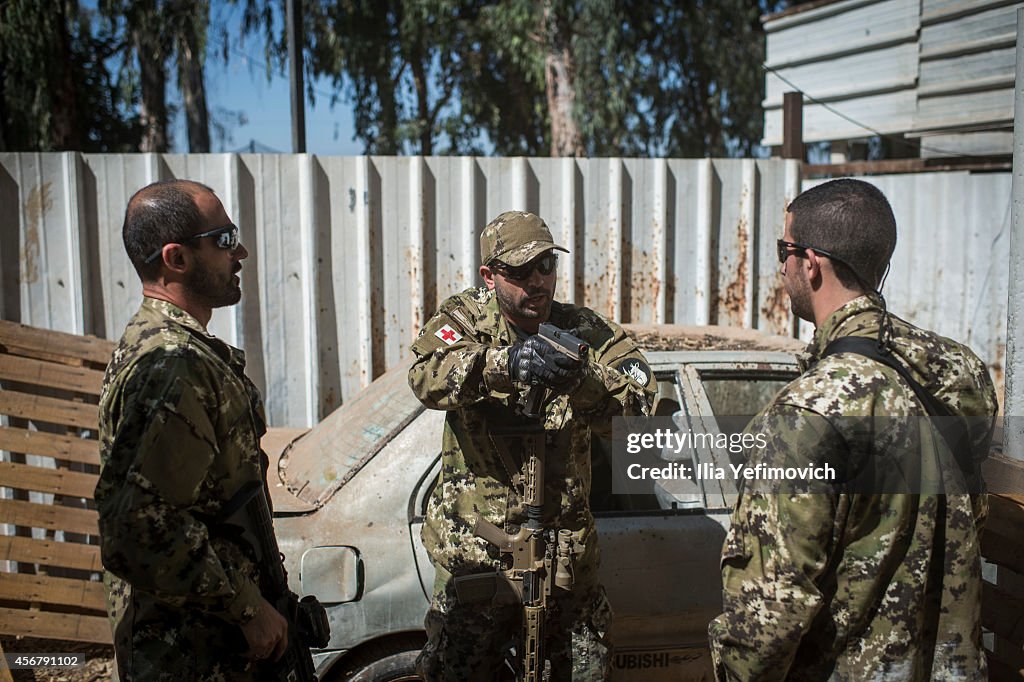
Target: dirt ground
<point>99,660</point>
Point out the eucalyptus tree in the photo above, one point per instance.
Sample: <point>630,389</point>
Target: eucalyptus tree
<point>56,91</point>
<point>538,77</point>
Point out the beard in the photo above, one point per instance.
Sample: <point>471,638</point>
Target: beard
<point>799,290</point>
<point>212,290</point>
<point>516,305</point>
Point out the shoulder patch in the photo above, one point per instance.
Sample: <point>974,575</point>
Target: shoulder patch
<point>448,334</point>
<point>637,370</point>
<point>460,316</point>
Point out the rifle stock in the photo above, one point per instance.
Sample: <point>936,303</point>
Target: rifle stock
<point>540,558</point>
<point>307,619</point>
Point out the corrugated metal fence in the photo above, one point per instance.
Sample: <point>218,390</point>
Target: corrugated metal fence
<point>349,255</point>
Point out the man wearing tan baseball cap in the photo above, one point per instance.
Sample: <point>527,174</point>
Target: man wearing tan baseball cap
<point>477,358</point>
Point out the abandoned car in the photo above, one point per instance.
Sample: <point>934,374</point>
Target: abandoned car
<point>351,494</point>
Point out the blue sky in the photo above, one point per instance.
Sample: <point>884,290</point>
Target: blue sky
<point>240,86</point>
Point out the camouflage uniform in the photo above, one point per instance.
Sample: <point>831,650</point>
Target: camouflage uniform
<point>180,428</point>
<point>467,375</point>
<point>863,586</point>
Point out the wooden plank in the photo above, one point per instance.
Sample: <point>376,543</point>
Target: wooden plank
<point>43,589</point>
<point>50,410</point>
<point>45,480</point>
<point>34,342</point>
<point>58,446</point>
<point>1000,671</point>
<point>67,626</point>
<point>1002,613</point>
<point>50,553</point>
<point>1008,662</point>
<point>888,166</point>
<point>5,672</point>
<point>1004,476</point>
<point>1005,517</point>
<point>49,516</point>
<point>1002,551</point>
<point>50,374</point>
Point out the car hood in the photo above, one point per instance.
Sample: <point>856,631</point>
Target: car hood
<point>316,465</point>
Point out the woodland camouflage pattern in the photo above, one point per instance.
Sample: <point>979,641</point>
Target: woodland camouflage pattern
<point>841,586</point>
<point>470,380</point>
<point>180,427</point>
<point>516,237</point>
<point>576,642</point>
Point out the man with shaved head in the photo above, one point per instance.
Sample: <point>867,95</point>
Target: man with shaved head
<point>180,428</point>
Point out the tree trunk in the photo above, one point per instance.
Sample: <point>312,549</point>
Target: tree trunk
<point>559,75</point>
<point>419,79</point>
<point>3,104</point>
<point>387,130</point>
<point>65,134</point>
<point>148,42</point>
<point>190,73</point>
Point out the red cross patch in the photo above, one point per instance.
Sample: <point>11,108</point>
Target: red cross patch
<point>448,335</point>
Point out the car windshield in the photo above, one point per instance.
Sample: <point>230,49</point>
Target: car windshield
<point>325,458</point>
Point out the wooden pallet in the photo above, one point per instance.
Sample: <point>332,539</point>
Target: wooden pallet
<point>50,571</point>
<point>1002,601</point>
<point>49,389</point>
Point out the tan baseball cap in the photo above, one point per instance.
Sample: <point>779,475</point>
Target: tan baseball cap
<point>515,238</point>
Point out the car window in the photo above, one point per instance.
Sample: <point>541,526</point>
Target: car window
<point>325,458</point>
<point>741,394</point>
<point>719,397</point>
<point>603,501</point>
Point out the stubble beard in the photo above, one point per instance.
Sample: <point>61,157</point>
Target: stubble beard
<point>799,290</point>
<point>513,308</point>
<point>204,287</point>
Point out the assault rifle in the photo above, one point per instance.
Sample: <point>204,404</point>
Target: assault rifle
<point>307,619</point>
<point>562,341</point>
<point>541,558</point>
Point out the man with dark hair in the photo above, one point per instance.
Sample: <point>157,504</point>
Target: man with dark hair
<point>854,218</point>
<point>180,428</point>
<point>478,358</point>
<point>865,577</point>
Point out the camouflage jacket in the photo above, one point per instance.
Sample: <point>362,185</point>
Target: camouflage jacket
<point>857,586</point>
<point>180,429</point>
<point>462,367</point>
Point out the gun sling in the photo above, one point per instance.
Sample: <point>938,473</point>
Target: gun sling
<point>953,432</point>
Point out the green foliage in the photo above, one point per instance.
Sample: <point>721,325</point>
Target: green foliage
<point>396,60</point>
<point>56,91</point>
<point>705,84</point>
<point>653,78</point>
<point>73,78</point>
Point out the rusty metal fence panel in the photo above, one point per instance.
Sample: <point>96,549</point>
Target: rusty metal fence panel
<point>350,255</point>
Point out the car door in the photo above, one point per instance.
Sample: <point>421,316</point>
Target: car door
<point>660,552</point>
<point>659,562</point>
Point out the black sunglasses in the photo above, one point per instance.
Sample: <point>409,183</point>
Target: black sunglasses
<point>545,265</point>
<point>784,248</point>
<point>227,239</point>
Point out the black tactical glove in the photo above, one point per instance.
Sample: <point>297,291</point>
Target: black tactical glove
<point>534,362</point>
